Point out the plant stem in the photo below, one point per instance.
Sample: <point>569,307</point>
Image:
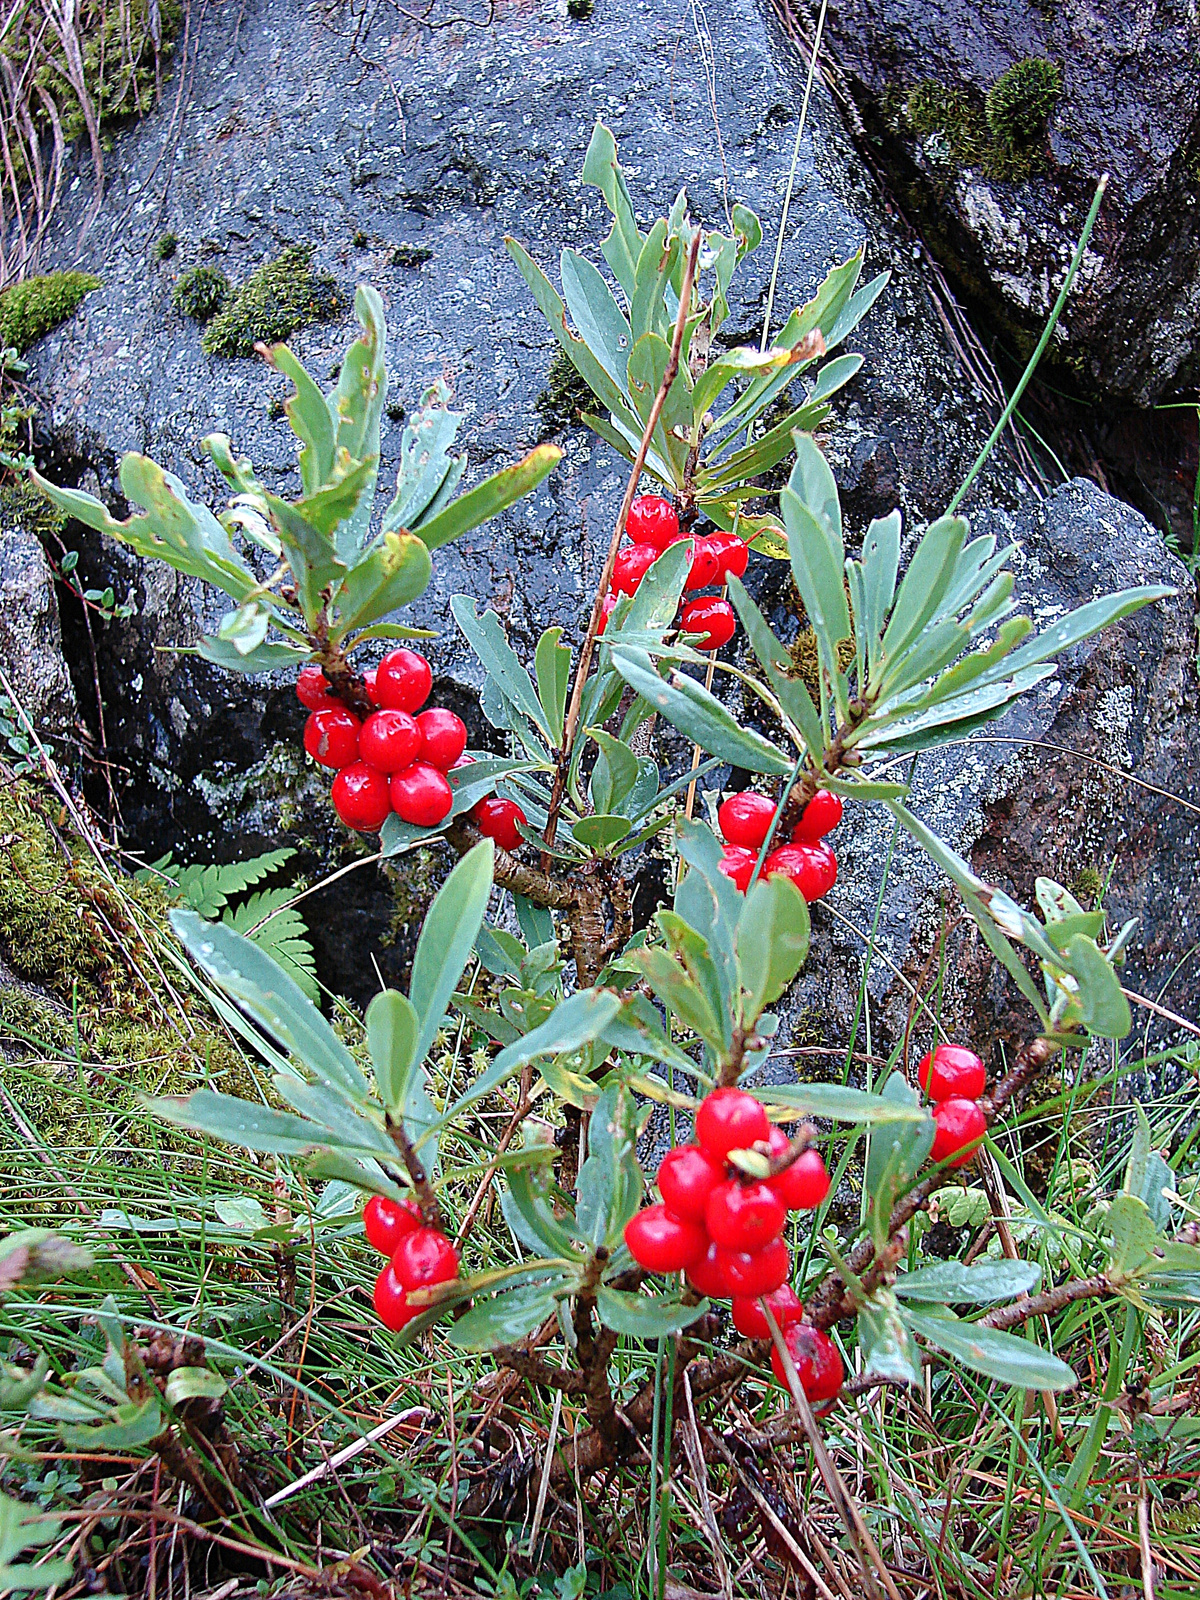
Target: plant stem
<point>426,1198</point>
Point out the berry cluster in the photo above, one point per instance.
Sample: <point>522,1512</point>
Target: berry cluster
<point>724,1230</point>
<point>653,527</point>
<point>395,760</point>
<point>745,819</point>
<point>418,1257</point>
<point>953,1078</point>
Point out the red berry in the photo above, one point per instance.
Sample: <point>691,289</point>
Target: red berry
<point>443,737</point>
<point>607,606</point>
<point>497,819</point>
<point>733,554</point>
<point>387,1221</point>
<point>748,1316</point>
<point>952,1072</point>
<point>652,521</point>
<point>368,678</point>
<point>712,619</point>
<point>811,867</point>
<point>425,1256</point>
<point>745,818</point>
<point>361,798</point>
<point>660,1242</point>
<point>738,864</point>
<point>804,1184</point>
<point>403,680</point>
<point>744,1216</point>
<point>960,1126</point>
<point>820,816</point>
<point>705,565</point>
<point>707,1276</point>
<point>758,1272</point>
<point>391,1301</point>
<point>631,566</point>
<point>331,736</point>
<point>313,690</point>
<point>816,1359</point>
<point>686,1178</point>
<point>421,795</point>
<point>730,1119</point>
<point>389,741</point>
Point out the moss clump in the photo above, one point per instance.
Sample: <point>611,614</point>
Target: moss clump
<point>1019,103</point>
<point>282,295</point>
<point>933,110</point>
<point>565,398</point>
<point>200,292</point>
<point>1087,886</point>
<point>24,506</point>
<point>411,255</point>
<point>165,246</point>
<point>580,10</point>
<point>31,309</point>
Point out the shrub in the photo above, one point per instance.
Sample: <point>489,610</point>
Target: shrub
<point>201,292</point>
<point>282,295</point>
<point>31,309</point>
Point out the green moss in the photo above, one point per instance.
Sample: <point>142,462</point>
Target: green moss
<point>165,247</point>
<point>411,255</point>
<point>24,506</point>
<point>565,398</point>
<point>1087,886</point>
<point>933,109</point>
<point>282,295</point>
<point>31,309</point>
<point>580,10</point>
<point>200,292</point>
<point>1020,101</point>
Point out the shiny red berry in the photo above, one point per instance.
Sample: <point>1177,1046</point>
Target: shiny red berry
<point>816,1359</point>
<point>748,1316</point>
<point>313,690</point>
<point>421,795</point>
<point>331,736</point>
<point>952,1072</point>
<point>744,1216</point>
<point>704,567</point>
<point>745,818</point>
<point>391,1301</point>
<point>712,619</point>
<point>423,1257</point>
<point>390,741</point>
<point>733,554</point>
<point>960,1125</point>
<point>497,818</point>
<point>660,1242</point>
<point>607,606</point>
<point>361,797</point>
<point>707,1275</point>
<point>403,680</point>
<point>686,1178</point>
<point>631,566</point>
<point>443,737</point>
<point>820,816</point>
<point>811,867</point>
<point>387,1221</point>
<point>758,1272</point>
<point>803,1185</point>
<point>730,1119</point>
<point>368,678</point>
<point>738,864</point>
<point>652,521</point>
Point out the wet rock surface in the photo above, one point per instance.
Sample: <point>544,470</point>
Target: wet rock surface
<point>1006,216</point>
<point>31,645</point>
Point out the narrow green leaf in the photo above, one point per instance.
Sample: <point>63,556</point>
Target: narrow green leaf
<point>552,664</point>
<point>571,1025</point>
<point>688,706</point>
<point>392,1039</point>
<point>995,1354</point>
<point>772,943</point>
<point>505,1317</point>
<point>447,939</point>
<point>485,634</point>
<point>489,498</point>
<point>1105,1009</point>
<point>985,1283</point>
<point>929,575</point>
<point>643,1316</point>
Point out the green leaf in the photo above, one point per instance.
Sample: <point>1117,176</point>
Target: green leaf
<point>427,475</point>
<point>842,1104</point>
<point>506,1317</point>
<point>311,420</point>
<point>813,483</point>
<point>574,1023</point>
<point>1079,625</point>
<point>238,1122</point>
<point>596,315</point>
<point>1132,1239</point>
<point>552,663</point>
<point>887,1346</point>
<point>392,1028</point>
<point>688,706</point>
<point>194,1383</point>
<point>929,575</point>
<point>393,573</point>
<point>264,658</point>
<point>985,1283</point>
<point>791,692</point>
<point>489,498</point>
<point>995,1354</point>
<point>614,774</point>
<point>622,248</point>
<point>643,1316</point>
<point>486,637</point>
<point>610,1185</point>
<point>132,1426</point>
<point>262,989</point>
<point>316,566</point>
<point>683,997</point>
<point>532,1221</point>
<point>772,943</point>
<point>282,934</point>
<point>1104,1008</point>
<point>897,1152</point>
<point>600,833</point>
<point>447,939</point>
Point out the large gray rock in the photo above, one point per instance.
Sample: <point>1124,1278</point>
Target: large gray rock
<point>1130,106</point>
<point>31,651</point>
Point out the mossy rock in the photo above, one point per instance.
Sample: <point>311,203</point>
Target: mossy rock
<point>1019,103</point>
<point>31,309</point>
<point>282,295</point>
<point>200,292</point>
<point>565,398</point>
<point>23,506</point>
<point>1003,133</point>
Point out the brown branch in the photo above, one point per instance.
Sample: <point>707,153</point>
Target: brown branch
<point>1044,1305</point>
<point>426,1197</point>
<point>513,874</point>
